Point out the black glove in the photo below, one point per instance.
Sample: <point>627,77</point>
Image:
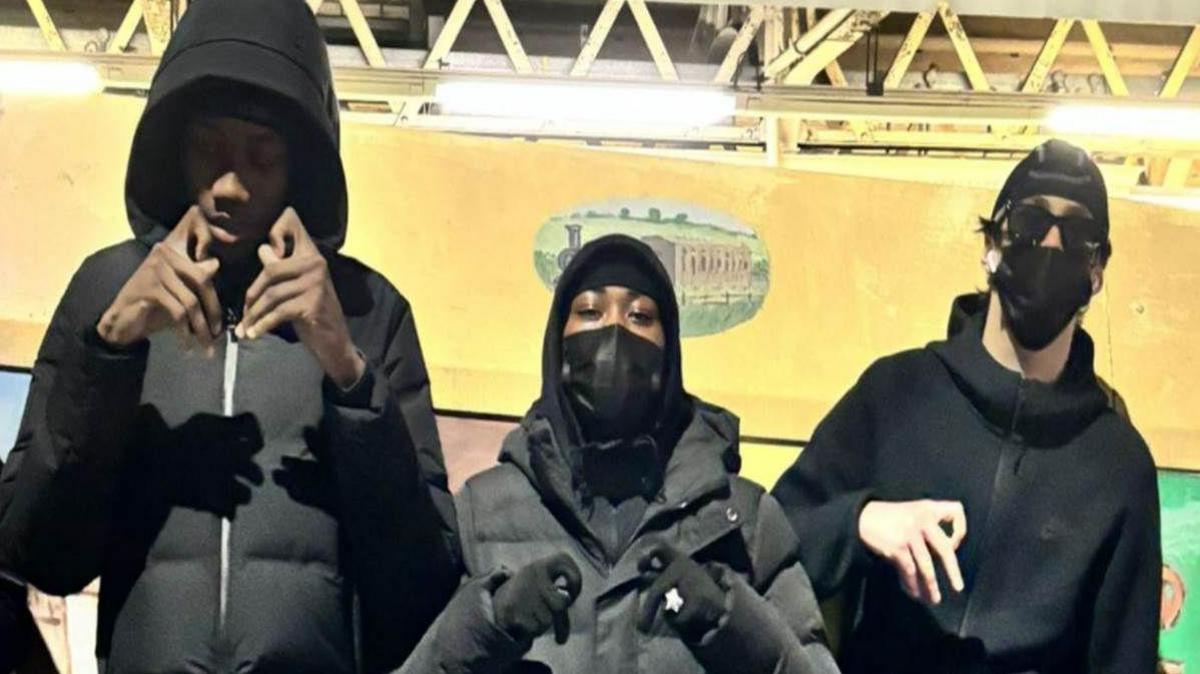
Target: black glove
<point>664,569</point>
<point>537,597</point>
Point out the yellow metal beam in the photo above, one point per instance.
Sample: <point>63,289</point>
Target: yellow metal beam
<point>1178,172</point>
<point>802,46</point>
<point>834,72</point>
<point>445,40</point>
<point>315,5</point>
<point>362,32</point>
<point>1188,56</point>
<point>133,17</point>
<point>837,43</point>
<point>774,40</point>
<point>49,30</point>
<point>956,142</point>
<point>740,44</point>
<point>1050,51</point>
<point>793,20</point>
<point>837,78</point>
<point>157,15</point>
<point>591,48</point>
<point>508,37</point>
<point>908,49</point>
<point>962,47</point>
<point>654,42</point>
<point>1104,54</point>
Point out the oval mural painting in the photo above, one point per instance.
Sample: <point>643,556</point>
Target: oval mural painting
<point>718,264</point>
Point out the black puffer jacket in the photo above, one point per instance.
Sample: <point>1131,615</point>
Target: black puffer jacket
<point>1062,556</point>
<point>244,514</point>
<point>16,625</point>
<point>535,504</point>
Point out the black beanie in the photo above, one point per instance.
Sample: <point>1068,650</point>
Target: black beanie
<point>1056,168</point>
<point>616,267</point>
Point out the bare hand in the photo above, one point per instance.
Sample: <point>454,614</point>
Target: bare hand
<point>170,289</point>
<point>296,288</point>
<point>909,534</point>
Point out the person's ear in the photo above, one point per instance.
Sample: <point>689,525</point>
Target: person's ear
<point>1097,280</point>
<point>991,259</point>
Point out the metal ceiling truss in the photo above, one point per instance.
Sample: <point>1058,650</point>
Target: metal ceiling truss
<point>799,49</point>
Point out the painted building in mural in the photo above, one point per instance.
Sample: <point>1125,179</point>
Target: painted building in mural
<point>697,267</point>
<point>718,265</point>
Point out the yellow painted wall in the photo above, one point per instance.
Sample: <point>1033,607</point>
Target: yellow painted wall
<point>860,267</point>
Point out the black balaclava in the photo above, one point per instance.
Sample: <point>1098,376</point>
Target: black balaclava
<point>1042,289</point>
<point>569,366</point>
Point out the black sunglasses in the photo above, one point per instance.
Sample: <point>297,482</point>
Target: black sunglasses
<point>1028,225</point>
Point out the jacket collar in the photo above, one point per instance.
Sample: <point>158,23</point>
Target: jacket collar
<point>1035,412</point>
<point>697,472</point>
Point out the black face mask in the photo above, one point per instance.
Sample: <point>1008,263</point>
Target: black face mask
<point>613,380</point>
<point>1041,289</point>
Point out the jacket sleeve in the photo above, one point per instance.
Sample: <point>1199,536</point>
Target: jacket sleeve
<point>58,488</point>
<point>825,490</point>
<point>393,498</point>
<point>774,625</point>
<point>1125,616</point>
<point>466,639</point>
<point>16,625</point>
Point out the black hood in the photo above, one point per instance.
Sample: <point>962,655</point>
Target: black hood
<point>271,50</point>
<point>1040,414</point>
<point>963,309</point>
<point>676,408</point>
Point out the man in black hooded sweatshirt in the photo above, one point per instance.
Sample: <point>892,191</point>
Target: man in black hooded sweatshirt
<point>995,512</point>
<point>615,535</point>
<point>263,490</point>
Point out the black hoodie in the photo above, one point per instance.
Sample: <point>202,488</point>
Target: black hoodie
<point>1062,554</point>
<point>16,625</point>
<point>244,513</point>
<point>535,503</point>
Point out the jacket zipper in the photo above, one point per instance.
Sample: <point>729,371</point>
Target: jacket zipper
<point>231,357</point>
<point>998,480</point>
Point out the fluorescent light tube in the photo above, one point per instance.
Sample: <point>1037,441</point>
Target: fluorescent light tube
<point>1118,120</point>
<point>586,102</point>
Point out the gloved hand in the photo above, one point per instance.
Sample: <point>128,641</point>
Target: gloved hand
<point>674,577</point>
<point>537,597</point>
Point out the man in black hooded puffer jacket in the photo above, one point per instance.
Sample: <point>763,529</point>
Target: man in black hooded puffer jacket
<point>997,513</point>
<point>263,490</point>
<point>615,535</point>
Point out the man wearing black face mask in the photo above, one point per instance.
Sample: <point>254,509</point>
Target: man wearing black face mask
<point>995,512</point>
<point>615,535</point>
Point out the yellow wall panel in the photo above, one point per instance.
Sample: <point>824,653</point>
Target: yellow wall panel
<point>860,266</point>
<point>765,463</point>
